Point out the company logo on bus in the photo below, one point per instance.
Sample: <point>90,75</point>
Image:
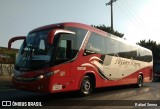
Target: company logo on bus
<point>81,68</point>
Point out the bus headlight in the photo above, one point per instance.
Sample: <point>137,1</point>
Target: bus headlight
<point>45,75</point>
<point>40,77</point>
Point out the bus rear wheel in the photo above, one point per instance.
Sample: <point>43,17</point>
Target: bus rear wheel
<point>86,86</point>
<point>140,81</point>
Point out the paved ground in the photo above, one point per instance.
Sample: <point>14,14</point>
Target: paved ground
<point>120,97</point>
<point>5,81</point>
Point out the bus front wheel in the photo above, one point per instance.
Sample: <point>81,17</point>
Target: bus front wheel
<point>86,86</point>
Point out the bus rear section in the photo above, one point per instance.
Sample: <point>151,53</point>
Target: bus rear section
<point>156,70</point>
<point>117,62</point>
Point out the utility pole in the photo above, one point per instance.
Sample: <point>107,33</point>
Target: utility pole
<point>110,3</point>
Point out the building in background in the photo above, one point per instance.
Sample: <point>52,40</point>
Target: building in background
<point>7,60</point>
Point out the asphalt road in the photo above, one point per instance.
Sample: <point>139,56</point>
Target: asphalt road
<point>120,97</point>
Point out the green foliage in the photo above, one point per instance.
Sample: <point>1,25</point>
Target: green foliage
<point>153,46</point>
<point>108,29</point>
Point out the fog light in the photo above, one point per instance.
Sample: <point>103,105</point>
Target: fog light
<point>40,87</point>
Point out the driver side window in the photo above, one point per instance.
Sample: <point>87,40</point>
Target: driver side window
<point>64,51</point>
<point>62,47</point>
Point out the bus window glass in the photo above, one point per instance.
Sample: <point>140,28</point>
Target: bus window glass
<point>123,50</point>
<point>133,52</point>
<point>95,44</point>
<point>114,47</point>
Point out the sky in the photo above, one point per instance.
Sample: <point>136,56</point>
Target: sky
<point>136,19</point>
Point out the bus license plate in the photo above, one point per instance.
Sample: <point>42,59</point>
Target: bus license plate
<point>57,87</point>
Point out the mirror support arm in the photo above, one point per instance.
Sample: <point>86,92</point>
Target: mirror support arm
<point>14,39</point>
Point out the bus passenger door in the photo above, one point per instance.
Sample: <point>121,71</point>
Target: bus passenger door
<point>64,56</point>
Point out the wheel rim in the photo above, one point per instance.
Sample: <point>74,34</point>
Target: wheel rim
<point>86,86</point>
<point>140,82</point>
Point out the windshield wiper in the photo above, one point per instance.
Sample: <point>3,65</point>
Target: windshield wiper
<point>27,53</point>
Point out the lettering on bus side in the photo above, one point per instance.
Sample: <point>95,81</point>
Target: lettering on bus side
<point>81,68</point>
<point>121,61</point>
<point>127,62</point>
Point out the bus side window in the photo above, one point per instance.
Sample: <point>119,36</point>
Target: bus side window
<point>96,45</point>
<point>113,48</point>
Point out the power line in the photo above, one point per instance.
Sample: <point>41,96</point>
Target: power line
<point>130,12</point>
<point>135,21</point>
<point>127,14</point>
<point>139,19</point>
<point>132,17</point>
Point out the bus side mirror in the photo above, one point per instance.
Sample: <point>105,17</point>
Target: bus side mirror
<point>54,32</point>
<point>15,39</point>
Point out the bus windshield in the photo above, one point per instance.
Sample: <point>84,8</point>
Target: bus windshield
<point>35,53</point>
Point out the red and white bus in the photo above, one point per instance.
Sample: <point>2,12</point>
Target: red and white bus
<point>72,56</point>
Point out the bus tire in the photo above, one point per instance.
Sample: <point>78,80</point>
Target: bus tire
<point>86,86</point>
<point>140,81</point>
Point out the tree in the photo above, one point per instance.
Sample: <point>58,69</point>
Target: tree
<point>109,30</point>
<point>153,46</point>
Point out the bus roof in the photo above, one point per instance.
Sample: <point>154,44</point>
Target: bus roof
<point>83,26</point>
<point>71,24</point>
